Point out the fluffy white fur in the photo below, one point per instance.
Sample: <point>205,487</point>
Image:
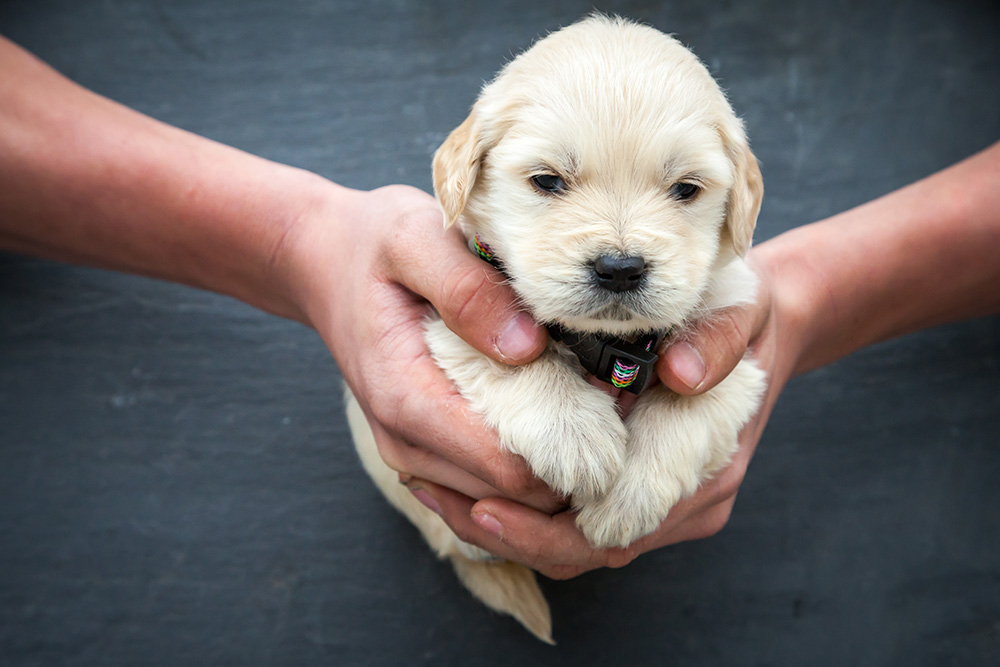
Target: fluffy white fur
<point>622,113</point>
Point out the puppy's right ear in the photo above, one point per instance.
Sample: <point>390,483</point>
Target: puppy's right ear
<point>456,166</point>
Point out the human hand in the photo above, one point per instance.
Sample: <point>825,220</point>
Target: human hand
<point>701,358</point>
<point>362,268</point>
<point>369,266</point>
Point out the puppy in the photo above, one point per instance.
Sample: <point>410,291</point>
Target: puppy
<point>605,173</point>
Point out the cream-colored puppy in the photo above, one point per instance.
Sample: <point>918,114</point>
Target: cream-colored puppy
<point>606,171</point>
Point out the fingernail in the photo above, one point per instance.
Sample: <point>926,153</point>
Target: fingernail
<point>687,364</point>
<point>489,523</point>
<point>426,499</point>
<point>518,340</point>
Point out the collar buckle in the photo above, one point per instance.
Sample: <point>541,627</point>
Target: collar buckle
<point>627,365</point>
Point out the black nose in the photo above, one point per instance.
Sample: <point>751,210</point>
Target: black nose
<point>619,274</point>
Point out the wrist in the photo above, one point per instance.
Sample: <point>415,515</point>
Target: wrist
<point>300,259</point>
<point>244,215</point>
<point>917,257</point>
<point>797,300</point>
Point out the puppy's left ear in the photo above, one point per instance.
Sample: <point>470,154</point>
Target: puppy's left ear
<point>747,192</point>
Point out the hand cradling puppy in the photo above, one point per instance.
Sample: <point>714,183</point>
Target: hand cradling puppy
<point>606,171</point>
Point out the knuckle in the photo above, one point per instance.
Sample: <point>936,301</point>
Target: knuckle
<point>388,412</point>
<point>393,457</point>
<point>464,294</point>
<point>395,411</point>
<point>418,216</point>
<point>735,333</point>
<point>465,532</point>
<point>410,227</point>
<point>723,340</point>
<point>730,481</point>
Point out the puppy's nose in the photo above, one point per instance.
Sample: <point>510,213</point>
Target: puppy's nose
<point>619,274</point>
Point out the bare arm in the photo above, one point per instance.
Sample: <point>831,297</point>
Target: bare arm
<point>86,180</point>
<point>89,181</point>
<point>923,255</point>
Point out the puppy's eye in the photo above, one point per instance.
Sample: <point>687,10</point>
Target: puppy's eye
<point>549,183</point>
<point>684,191</point>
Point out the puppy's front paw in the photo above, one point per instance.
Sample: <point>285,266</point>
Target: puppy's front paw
<point>626,513</point>
<point>576,445</point>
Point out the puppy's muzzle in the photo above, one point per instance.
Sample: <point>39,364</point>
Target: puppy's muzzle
<point>619,274</point>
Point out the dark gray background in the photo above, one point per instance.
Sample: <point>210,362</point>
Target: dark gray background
<point>177,484</point>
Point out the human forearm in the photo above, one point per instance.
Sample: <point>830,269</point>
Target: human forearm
<point>923,255</point>
<point>89,181</point>
<point>86,180</point>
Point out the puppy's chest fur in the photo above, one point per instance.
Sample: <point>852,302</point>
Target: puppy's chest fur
<point>609,172</point>
<point>607,168</point>
<point>623,476</point>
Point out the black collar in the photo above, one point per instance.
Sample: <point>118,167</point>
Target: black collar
<point>626,364</point>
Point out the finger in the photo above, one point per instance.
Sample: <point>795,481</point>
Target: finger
<point>533,538</point>
<point>705,354</point>
<point>412,461</point>
<point>554,545</point>
<point>550,544</point>
<point>707,511</point>
<point>701,515</point>
<point>480,529</point>
<point>448,443</point>
<point>400,387</point>
<point>705,522</point>
<point>472,297</point>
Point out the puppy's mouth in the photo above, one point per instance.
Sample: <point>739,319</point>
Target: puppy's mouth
<point>615,312</point>
<point>600,304</point>
<point>583,304</point>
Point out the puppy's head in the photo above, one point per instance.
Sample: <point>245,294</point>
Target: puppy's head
<point>606,169</point>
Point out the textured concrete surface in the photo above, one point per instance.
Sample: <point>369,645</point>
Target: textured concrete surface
<point>177,485</point>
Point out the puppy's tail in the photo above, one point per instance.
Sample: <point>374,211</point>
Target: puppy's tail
<point>508,588</point>
<point>505,587</point>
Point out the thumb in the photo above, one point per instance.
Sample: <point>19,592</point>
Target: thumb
<point>472,297</point>
<point>707,352</point>
<point>476,303</point>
